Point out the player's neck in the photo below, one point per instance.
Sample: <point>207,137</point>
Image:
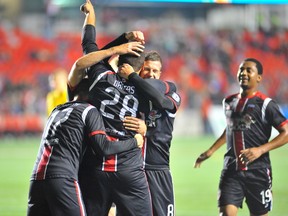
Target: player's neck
<point>248,92</point>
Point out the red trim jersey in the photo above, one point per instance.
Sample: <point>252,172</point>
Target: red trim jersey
<point>69,128</point>
<point>156,150</point>
<point>249,124</point>
<point>115,98</point>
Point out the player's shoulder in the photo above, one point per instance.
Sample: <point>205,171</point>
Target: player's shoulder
<point>162,86</point>
<point>231,97</point>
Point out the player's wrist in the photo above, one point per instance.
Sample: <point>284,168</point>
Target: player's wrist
<point>132,75</point>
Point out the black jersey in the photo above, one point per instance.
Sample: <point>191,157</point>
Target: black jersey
<point>159,121</point>
<point>116,98</point>
<point>249,124</point>
<point>65,136</point>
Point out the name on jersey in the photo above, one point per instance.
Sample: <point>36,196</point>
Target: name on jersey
<point>120,85</point>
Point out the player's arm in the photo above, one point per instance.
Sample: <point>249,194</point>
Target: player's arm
<point>125,37</point>
<point>103,146</point>
<point>77,72</point>
<point>251,154</point>
<point>88,39</point>
<point>99,140</point>
<point>88,9</point>
<point>216,145</point>
<point>274,117</point>
<point>158,99</point>
<point>89,32</point>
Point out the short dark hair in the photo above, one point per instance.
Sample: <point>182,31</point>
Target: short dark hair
<point>258,64</point>
<point>153,56</point>
<point>135,61</point>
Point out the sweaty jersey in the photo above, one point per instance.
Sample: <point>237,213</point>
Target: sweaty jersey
<point>249,124</point>
<point>64,139</point>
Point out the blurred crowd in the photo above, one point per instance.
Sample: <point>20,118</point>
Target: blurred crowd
<point>203,62</point>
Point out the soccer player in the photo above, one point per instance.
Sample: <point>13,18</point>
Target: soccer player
<point>54,188</point>
<point>158,136</point>
<point>119,178</point>
<point>250,116</point>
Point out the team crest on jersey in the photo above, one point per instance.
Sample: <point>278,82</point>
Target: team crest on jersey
<point>152,117</point>
<point>244,122</point>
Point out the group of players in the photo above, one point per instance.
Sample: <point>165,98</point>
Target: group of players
<point>110,144</point>
<point>96,151</point>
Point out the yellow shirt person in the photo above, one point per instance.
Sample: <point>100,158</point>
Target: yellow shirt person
<point>58,93</point>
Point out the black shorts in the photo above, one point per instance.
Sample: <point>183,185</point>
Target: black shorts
<point>55,197</point>
<point>162,193</point>
<point>253,185</point>
<point>128,189</point>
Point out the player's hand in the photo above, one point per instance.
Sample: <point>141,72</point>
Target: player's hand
<point>202,157</point>
<point>135,36</point>
<point>140,140</point>
<point>135,124</point>
<point>86,7</point>
<point>247,156</point>
<point>125,70</point>
<point>131,47</point>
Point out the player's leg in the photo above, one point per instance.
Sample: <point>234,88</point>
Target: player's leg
<point>132,195</point>
<point>112,211</point>
<point>259,191</point>
<point>162,193</point>
<point>96,191</point>
<point>231,193</point>
<point>37,204</point>
<point>228,210</point>
<point>65,197</point>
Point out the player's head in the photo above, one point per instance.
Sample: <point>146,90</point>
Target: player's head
<point>152,66</point>
<point>258,64</point>
<point>82,90</point>
<point>250,73</point>
<point>135,61</point>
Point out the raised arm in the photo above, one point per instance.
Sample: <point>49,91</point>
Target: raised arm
<point>77,72</point>
<point>88,9</point>
<point>89,32</point>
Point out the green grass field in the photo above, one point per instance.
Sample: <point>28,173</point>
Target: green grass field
<point>195,189</point>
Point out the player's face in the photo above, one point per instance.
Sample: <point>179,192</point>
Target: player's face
<point>248,76</point>
<point>151,70</point>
